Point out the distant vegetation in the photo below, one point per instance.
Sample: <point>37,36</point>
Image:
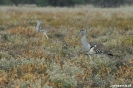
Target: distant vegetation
<point>62,3</point>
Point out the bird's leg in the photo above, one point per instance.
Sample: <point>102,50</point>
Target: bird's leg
<point>95,55</point>
<point>90,57</point>
<point>45,35</point>
<point>91,61</point>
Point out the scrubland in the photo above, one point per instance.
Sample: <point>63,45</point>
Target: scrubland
<point>29,60</point>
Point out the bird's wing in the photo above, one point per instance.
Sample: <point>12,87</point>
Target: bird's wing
<point>43,31</point>
<point>99,47</point>
<point>47,28</point>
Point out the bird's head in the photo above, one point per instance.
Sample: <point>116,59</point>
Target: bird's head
<point>83,32</point>
<point>39,22</point>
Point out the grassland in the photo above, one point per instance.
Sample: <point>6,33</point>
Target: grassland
<point>29,60</point>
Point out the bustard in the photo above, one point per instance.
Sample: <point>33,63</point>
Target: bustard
<point>93,47</point>
<point>43,29</point>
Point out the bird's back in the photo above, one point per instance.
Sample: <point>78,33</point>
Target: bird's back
<point>47,28</point>
<point>100,48</point>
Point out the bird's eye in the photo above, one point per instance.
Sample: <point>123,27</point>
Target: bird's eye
<point>81,30</point>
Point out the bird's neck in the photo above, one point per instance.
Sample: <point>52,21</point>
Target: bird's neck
<point>37,26</point>
<point>85,45</point>
<point>84,39</point>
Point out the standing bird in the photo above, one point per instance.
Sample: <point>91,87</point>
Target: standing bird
<point>46,29</point>
<point>40,28</point>
<point>93,47</point>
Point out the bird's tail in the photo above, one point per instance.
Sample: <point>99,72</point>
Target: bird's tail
<point>110,54</point>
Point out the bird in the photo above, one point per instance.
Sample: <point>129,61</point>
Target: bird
<point>40,28</point>
<point>43,29</point>
<point>93,47</point>
<point>46,29</point>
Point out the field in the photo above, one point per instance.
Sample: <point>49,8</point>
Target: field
<point>29,60</point>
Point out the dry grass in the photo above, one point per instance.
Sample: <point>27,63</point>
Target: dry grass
<point>29,60</point>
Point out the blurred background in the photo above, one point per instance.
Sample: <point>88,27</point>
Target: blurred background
<point>70,3</point>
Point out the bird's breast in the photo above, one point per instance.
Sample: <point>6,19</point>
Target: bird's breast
<point>85,47</point>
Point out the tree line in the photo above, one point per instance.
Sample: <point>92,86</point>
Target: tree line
<point>62,3</point>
